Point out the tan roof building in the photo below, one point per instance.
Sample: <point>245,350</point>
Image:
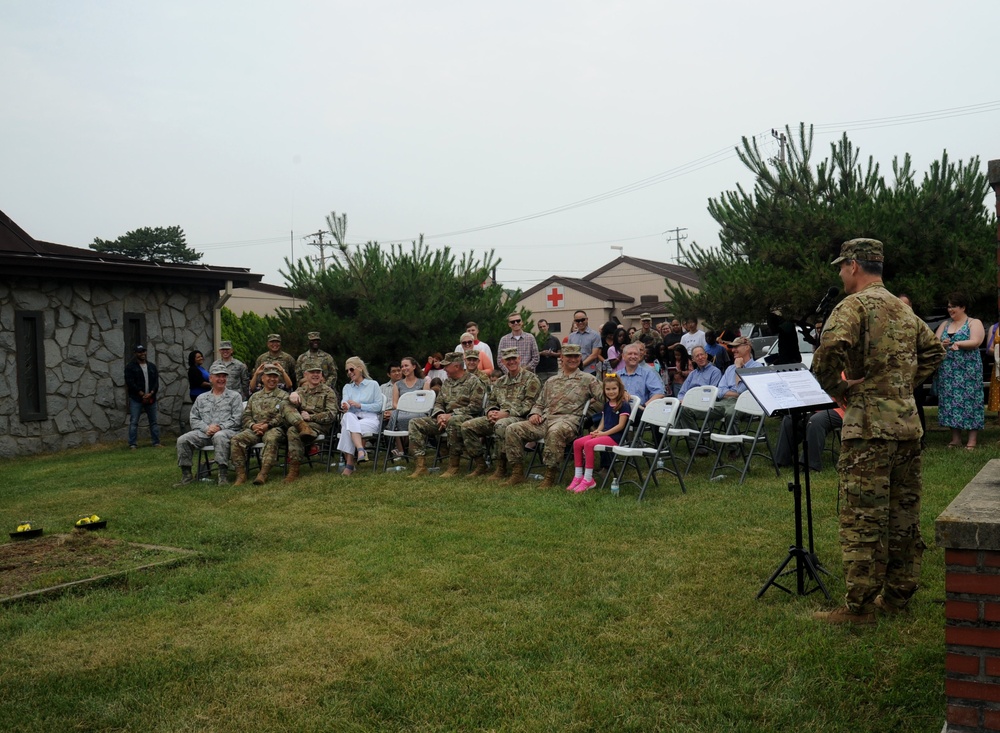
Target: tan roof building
<point>618,291</point>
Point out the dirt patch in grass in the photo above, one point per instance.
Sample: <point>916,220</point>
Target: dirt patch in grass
<point>48,562</point>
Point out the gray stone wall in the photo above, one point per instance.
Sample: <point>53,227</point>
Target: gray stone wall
<point>85,356</point>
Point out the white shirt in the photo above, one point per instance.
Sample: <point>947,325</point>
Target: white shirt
<point>690,340</point>
<point>478,346</point>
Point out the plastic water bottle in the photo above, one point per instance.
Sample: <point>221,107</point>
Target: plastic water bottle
<point>614,486</point>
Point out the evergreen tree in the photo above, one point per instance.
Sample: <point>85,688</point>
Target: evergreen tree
<point>777,242</point>
<point>156,244</point>
<point>248,332</point>
<point>381,304</point>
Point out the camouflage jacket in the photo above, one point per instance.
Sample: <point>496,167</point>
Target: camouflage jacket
<point>871,335</point>
<point>223,410</point>
<point>325,360</point>
<point>285,359</point>
<point>515,395</point>
<point>320,402</point>
<point>264,406</point>
<point>653,336</point>
<point>564,395</point>
<point>464,395</point>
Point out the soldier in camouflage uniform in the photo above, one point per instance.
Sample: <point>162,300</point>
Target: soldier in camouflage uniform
<point>472,366</point>
<point>274,355</point>
<point>554,417</point>
<point>263,421</point>
<point>883,350</point>
<point>646,333</point>
<point>239,376</point>
<point>215,417</point>
<point>316,355</point>
<point>313,406</point>
<point>509,401</point>
<point>460,399</point>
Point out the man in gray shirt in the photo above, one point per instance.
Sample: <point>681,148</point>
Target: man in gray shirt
<point>239,377</point>
<point>215,418</point>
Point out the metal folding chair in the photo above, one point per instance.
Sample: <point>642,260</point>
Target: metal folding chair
<point>658,416</point>
<point>699,401</point>
<point>418,401</point>
<point>743,434</point>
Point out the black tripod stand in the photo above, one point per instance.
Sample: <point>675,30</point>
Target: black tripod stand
<point>806,562</point>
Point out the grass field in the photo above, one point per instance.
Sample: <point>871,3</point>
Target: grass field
<point>379,603</point>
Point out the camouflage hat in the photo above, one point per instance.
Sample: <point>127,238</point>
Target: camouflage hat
<point>508,353</point>
<point>471,354</point>
<point>868,250</point>
<point>740,341</point>
<point>272,369</point>
<point>646,317</point>
<point>453,357</point>
<point>571,350</point>
<point>218,369</point>
<point>312,365</point>
<point>226,345</point>
<point>312,336</point>
<point>274,337</point>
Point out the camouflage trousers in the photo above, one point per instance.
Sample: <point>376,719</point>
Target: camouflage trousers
<point>474,430</point>
<point>296,450</point>
<point>189,442</point>
<point>880,488</point>
<point>422,428</point>
<point>246,439</point>
<point>558,433</point>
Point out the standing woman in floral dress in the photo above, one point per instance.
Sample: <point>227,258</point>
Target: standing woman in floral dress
<point>959,380</point>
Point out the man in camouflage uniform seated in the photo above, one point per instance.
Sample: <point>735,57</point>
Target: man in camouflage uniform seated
<point>509,401</point>
<point>215,417</point>
<point>316,355</point>
<point>263,421</point>
<point>313,406</point>
<point>460,399</point>
<point>883,350</point>
<point>554,417</point>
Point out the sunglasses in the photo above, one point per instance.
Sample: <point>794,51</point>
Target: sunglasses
<point>466,343</point>
<point>350,370</point>
<point>513,322</point>
<point>579,320</point>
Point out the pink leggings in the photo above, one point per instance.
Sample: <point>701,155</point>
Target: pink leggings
<point>583,449</point>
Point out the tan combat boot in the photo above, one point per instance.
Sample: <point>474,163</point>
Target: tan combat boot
<point>293,472</point>
<point>479,467</point>
<point>306,433</point>
<point>549,480</point>
<point>516,475</point>
<point>500,472</point>
<point>262,476</point>
<point>420,467</point>
<point>241,475</point>
<point>454,466</point>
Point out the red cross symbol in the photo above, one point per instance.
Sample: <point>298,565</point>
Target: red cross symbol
<point>555,297</point>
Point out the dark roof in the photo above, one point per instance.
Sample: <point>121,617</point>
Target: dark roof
<point>263,287</point>
<point>583,286</point>
<point>677,273</point>
<point>653,309</point>
<point>23,256</point>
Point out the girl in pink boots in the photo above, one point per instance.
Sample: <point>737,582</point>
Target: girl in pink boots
<point>610,432</point>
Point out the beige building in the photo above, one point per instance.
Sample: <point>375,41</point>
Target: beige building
<point>619,291</point>
<point>262,299</point>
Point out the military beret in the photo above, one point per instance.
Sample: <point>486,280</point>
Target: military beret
<point>867,250</point>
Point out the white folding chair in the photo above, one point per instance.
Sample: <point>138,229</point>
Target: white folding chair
<point>746,428</point>
<point>699,401</point>
<point>659,416</point>
<point>419,401</point>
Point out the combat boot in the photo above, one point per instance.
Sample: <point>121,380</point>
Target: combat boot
<point>223,475</point>
<point>479,467</point>
<point>186,476</point>
<point>420,467</point>
<point>549,480</point>
<point>293,472</point>
<point>454,466</point>
<point>241,475</point>
<point>500,472</point>
<point>306,433</point>
<point>262,476</point>
<point>516,475</point>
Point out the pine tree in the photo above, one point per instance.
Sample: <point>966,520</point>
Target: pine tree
<point>156,244</point>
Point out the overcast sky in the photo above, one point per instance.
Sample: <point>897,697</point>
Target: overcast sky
<point>244,122</point>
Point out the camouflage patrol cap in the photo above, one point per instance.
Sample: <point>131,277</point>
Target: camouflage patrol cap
<point>274,337</point>
<point>471,354</point>
<point>646,317</point>
<point>312,365</point>
<point>226,345</point>
<point>867,250</point>
<point>312,336</point>
<point>453,357</point>
<point>571,350</point>
<point>218,369</point>
<point>272,369</point>
<point>509,353</point>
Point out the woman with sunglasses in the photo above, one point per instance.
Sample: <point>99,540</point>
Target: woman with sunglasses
<point>468,341</point>
<point>361,403</point>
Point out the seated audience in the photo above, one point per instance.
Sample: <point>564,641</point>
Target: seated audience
<point>361,405</point>
<point>215,416</point>
<point>314,402</point>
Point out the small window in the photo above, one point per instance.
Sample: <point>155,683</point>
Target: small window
<point>135,333</point>
<point>555,327</point>
<point>28,333</point>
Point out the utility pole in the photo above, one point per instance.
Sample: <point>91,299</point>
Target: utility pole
<point>677,238</point>
<point>780,137</point>
<point>317,241</point>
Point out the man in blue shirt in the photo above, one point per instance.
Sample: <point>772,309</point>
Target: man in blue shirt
<point>589,342</point>
<point>639,380</point>
<point>703,375</point>
<point>731,386</point>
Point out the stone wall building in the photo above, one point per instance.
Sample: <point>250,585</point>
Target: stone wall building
<point>69,321</point>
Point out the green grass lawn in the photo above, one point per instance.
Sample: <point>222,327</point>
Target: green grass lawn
<point>380,603</point>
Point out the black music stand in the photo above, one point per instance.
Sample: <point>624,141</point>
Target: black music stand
<point>790,389</point>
